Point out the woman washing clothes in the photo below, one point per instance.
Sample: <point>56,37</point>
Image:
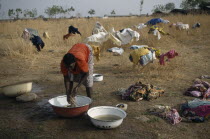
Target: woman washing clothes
<point>77,66</point>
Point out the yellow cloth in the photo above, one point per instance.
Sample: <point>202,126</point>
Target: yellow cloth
<point>137,53</point>
<point>96,51</point>
<point>157,52</point>
<point>159,29</point>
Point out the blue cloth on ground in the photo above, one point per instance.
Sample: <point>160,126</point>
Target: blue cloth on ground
<point>154,21</point>
<point>197,102</point>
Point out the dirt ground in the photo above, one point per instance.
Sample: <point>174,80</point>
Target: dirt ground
<point>37,120</point>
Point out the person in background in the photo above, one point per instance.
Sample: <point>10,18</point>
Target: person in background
<point>77,66</point>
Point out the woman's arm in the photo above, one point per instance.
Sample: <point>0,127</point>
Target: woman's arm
<point>84,76</point>
<point>68,87</point>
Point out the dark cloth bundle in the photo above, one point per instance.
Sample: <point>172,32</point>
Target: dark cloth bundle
<point>37,41</point>
<point>74,30</point>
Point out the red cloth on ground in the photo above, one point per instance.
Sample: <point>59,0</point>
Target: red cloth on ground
<point>170,54</point>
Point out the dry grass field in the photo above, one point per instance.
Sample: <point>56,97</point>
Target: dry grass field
<point>20,62</point>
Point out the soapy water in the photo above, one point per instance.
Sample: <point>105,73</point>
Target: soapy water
<point>107,117</point>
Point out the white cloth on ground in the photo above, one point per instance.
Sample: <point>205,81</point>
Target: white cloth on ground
<point>126,36</point>
<point>97,38</point>
<point>116,50</point>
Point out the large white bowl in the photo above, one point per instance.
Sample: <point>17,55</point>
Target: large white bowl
<point>17,89</point>
<point>106,110</point>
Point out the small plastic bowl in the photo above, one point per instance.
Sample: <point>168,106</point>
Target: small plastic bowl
<point>122,106</point>
<point>97,77</point>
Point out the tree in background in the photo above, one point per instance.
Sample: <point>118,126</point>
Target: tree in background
<point>14,13</point>
<point>78,15</point>
<point>30,13</point>
<point>191,4</point>
<point>169,6</point>
<point>49,12</point>
<point>11,13</point>
<point>204,4</point>
<point>41,16</point>
<point>141,6</point>
<point>163,8</point>
<point>18,12</point>
<point>158,7</point>
<point>113,12</point>
<point>69,10</point>
<point>91,12</point>
<point>55,10</point>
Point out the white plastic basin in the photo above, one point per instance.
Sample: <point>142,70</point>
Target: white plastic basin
<point>97,77</point>
<point>103,111</point>
<point>17,89</point>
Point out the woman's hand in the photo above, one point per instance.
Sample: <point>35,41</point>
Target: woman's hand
<point>74,92</point>
<point>71,100</point>
<point>68,99</point>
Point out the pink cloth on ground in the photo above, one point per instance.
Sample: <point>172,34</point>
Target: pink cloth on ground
<point>196,93</point>
<point>173,116</point>
<point>206,94</point>
<point>203,110</point>
<point>170,54</point>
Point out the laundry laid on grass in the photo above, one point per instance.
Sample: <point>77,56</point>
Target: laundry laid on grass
<point>141,26</point>
<point>166,112</point>
<point>196,25</point>
<point>140,91</point>
<point>121,37</point>
<point>137,46</point>
<point>28,33</point>
<point>116,51</point>
<point>38,42</point>
<point>196,110</point>
<point>199,89</point>
<point>143,55</point>
<point>46,35</point>
<point>71,32</point>
<point>98,28</point>
<point>155,21</point>
<point>100,35</point>
<point>205,77</point>
<point>33,36</point>
<point>96,51</point>
<point>98,38</point>
<point>145,59</point>
<point>157,31</point>
<point>169,55</point>
<point>180,26</point>
<point>125,35</point>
